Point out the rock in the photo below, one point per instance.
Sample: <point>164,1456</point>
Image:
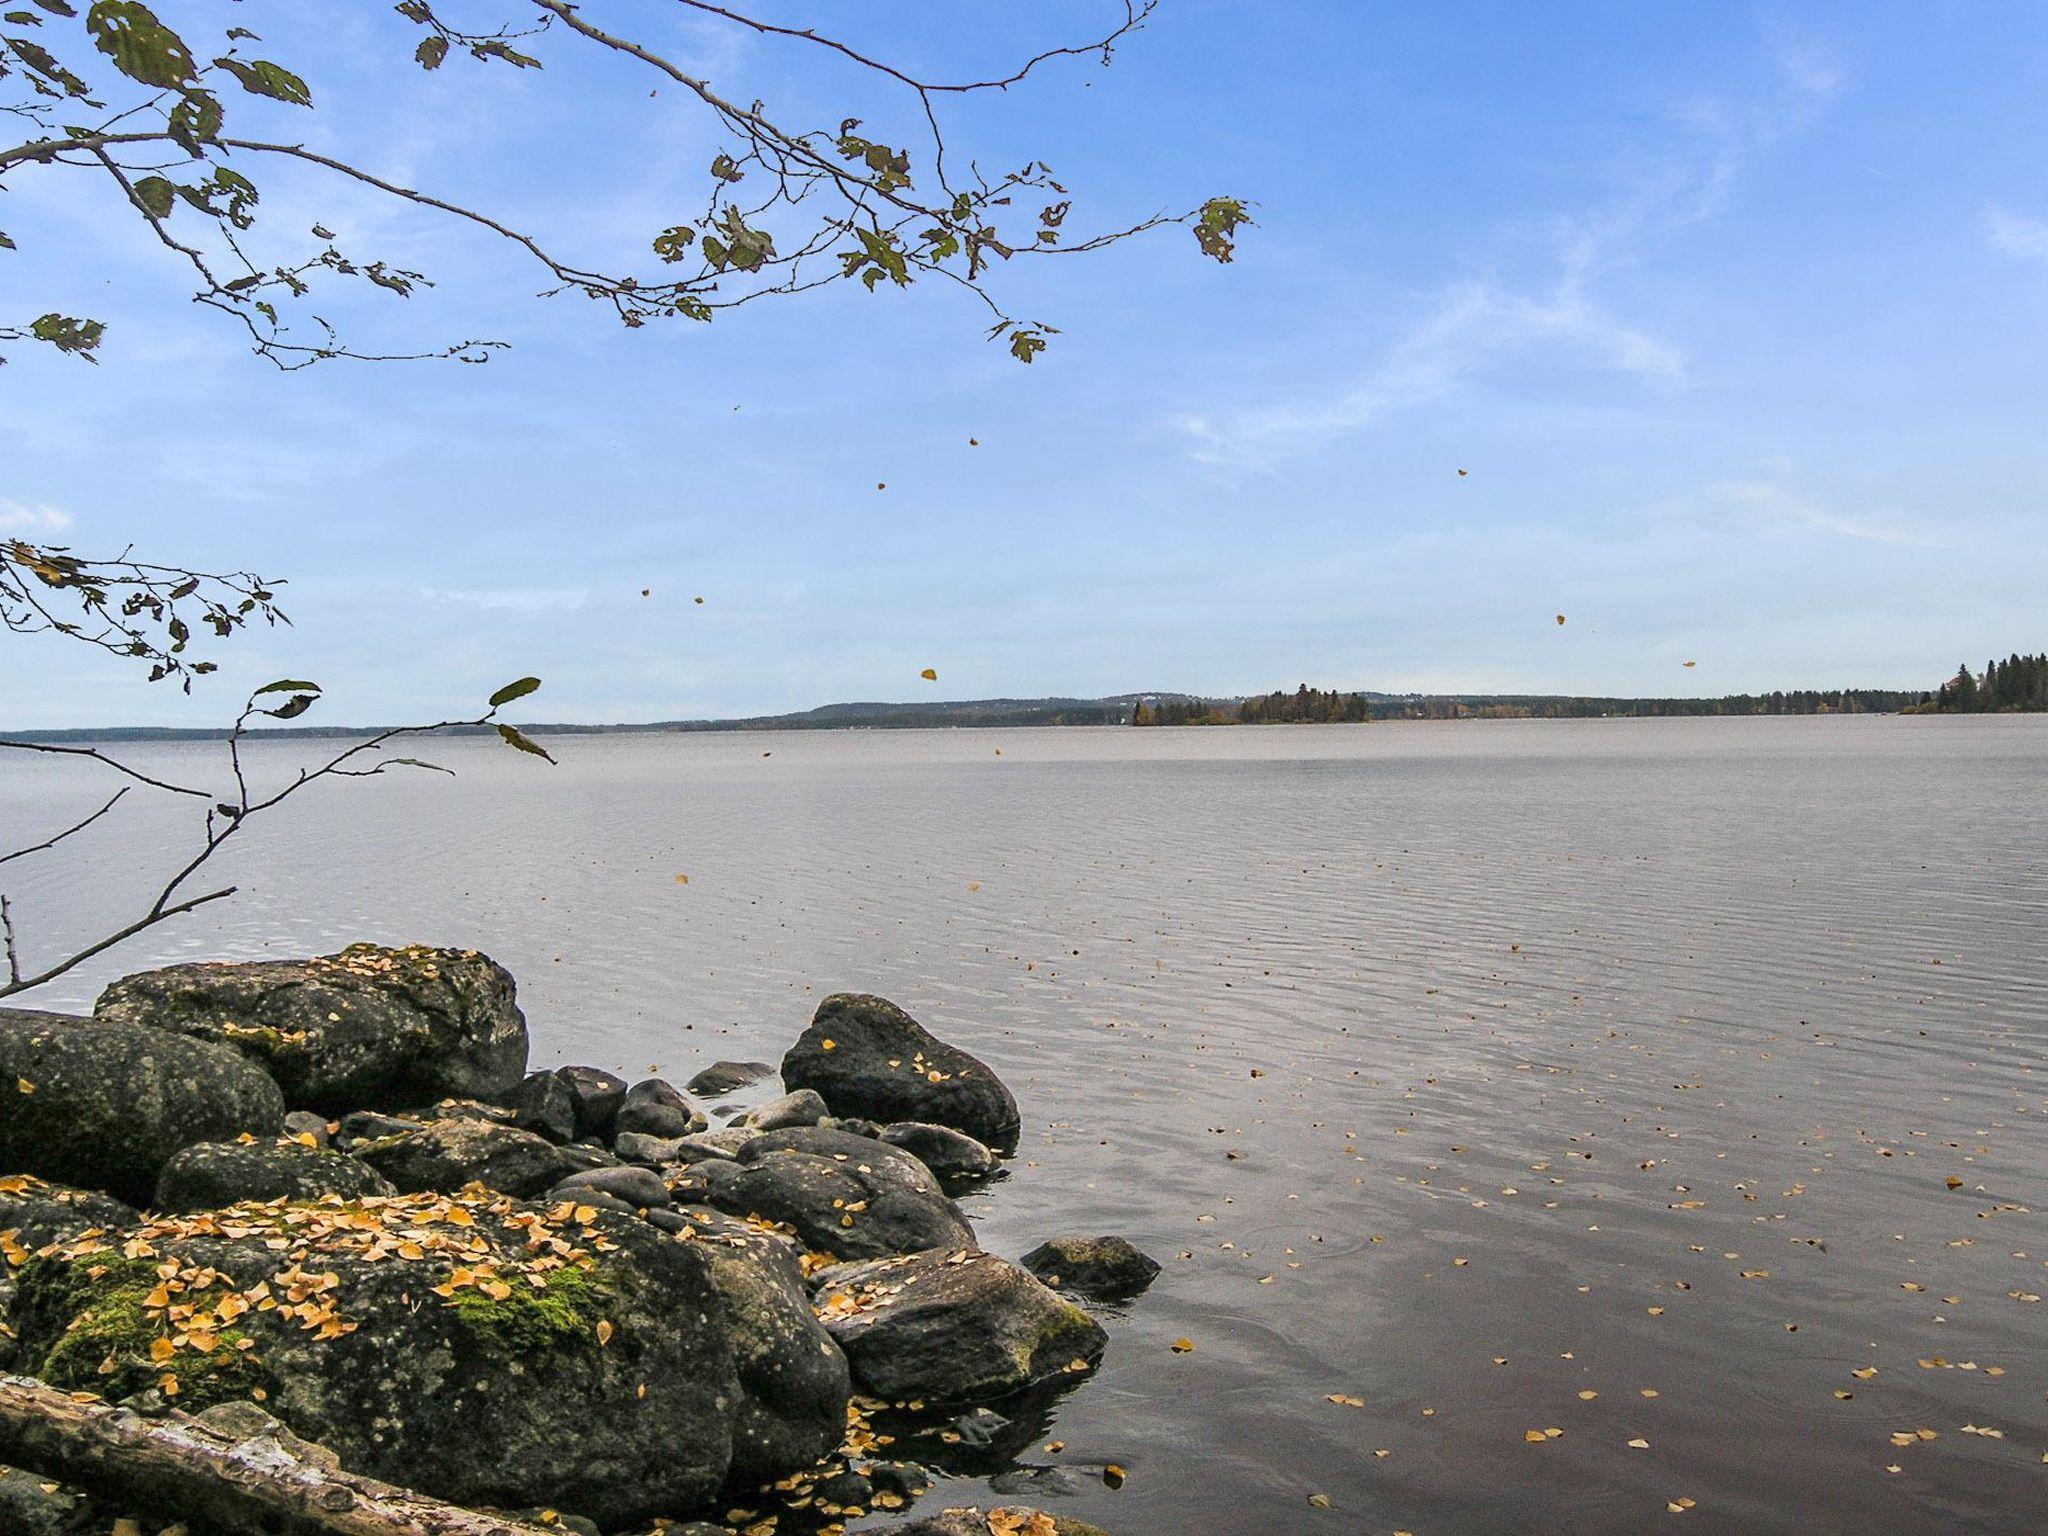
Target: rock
<point>31,1505</point>
<point>653,1108</point>
<point>104,1106</point>
<point>368,1028</point>
<point>724,1142</point>
<point>1008,1517</point>
<point>953,1156</point>
<point>979,1427</point>
<point>636,1186</point>
<point>614,1387</point>
<point>212,1174</point>
<point>582,1156</point>
<point>598,1095</point>
<point>368,1125</point>
<point>867,1057</point>
<point>546,1105</point>
<point>34,1213</point>
<point>649,1151</point>
<point>448,1154</point>
<point>800,1108</point>
<point>722,1077</point>
<point>844,1196</point>
<point>952,1326</point>
<point>304,1123</point>
<point>1038,1481</point>
<point>1109,1268</point>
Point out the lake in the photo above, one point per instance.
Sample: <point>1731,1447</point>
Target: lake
<point>1674,1092</point>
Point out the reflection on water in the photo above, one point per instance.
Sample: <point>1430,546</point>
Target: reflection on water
<point>1597,1076</point>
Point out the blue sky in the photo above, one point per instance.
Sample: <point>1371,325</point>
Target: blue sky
<point>1735,316</point>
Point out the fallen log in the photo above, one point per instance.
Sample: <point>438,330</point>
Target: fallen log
<point>233,1468</point>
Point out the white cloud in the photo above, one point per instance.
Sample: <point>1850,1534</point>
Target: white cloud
<point>1773,504</point>
<point>32,517</point>
<point>513,599</point>
<point>2017,236</point>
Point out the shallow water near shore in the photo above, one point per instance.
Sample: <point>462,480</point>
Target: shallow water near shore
<point>1680,1086</point>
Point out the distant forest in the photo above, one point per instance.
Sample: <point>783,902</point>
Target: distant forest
<point>2017,684</point>
<point>1304,705</point>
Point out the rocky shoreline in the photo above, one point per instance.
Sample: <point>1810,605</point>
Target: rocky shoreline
<point>328,1194</point>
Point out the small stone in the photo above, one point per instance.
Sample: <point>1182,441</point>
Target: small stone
<point>722,1077</point>
<point>1107,1268</point>
<point>653,1108</point>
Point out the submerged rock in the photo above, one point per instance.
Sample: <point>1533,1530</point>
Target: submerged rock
<point>1010,1519</point>
<point>843,1195</point>
<point>368,1028</point>
<point>653,1108</point>
<point>867,1057</point>
<point>952,1326</point>
<point>723,1077</point>
<point>217,1173</point>
<point>953,1156</point>
<point>1110,1268</point>
<point>449,1154</point>
<point>517,1356</point>
<point>104,1106</point>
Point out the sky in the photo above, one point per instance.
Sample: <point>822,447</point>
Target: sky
<point>1734,317</point>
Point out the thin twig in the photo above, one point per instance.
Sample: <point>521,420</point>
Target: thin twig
<point>22,853</point>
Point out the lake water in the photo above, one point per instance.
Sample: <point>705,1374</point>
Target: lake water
<point>1603,1077</point>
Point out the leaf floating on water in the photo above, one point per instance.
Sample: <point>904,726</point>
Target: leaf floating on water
<point>1692,663</point>
<point>1680,1505</point>
<point>1344,1399</point>
<point>1639,1444</point>
<point>1182,1346</point>
<point>682,879</point>
<point>1319,1500</point>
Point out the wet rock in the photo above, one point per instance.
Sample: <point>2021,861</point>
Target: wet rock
<point>867,1057</point>
<point>368,1125</point>
<point>34,1213</point>
<point>954,1156</point>
<point>368,1028</point>
<point>653,1108</point>
<point>1039,1481</point>
<point>448,1154</point>
<point>1108,1268</point>
<point>951,1326</point>
<point>106,1105</point>
<point>31,1505</point>
<point>723,1077</point>
<point>636,1186</point>
<point>976,1522</point>
<point>802,1107</point>
<point>582,1156</point>
<point>598,1095</point>
<point>546,1105</point>
<point>843,1195</point>
<point>724,1142</point>
<point>611,1387</point>
<point>212,1174</point>
<point>648,1151</point>
<point>979,1427</point>
<point>302,1123</point>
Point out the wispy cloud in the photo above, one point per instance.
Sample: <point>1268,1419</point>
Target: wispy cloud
<point>2017,236</point>
<point>32,517</point>
<point>1771,503</point>
<point>512,599</point>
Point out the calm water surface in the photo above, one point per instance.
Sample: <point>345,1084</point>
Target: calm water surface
<point>1603,1077</point>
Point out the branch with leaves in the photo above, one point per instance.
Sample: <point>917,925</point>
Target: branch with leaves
<point>786,210</point>
<point>228,813</point>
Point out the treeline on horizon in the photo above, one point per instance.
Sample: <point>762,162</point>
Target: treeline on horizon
<point>2017,685</point>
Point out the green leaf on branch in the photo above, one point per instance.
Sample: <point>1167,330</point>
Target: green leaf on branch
<point>293,707</point>
<point>69,335</point>
<point>1216,225</point>
<point>414,762</point>
<point>514,739</point>
<point>154,195</point>
<point>286,685</point>
<point>260,77</point>
<point>431,52</point>
<point>142,48</point>
<point>515,690</point>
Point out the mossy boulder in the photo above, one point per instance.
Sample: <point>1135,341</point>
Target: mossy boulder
<point>866,1057</point>
<point>842,1195</point>
<point>368,1028</point>
<point>105,1105</point>
<point>1004,1520</point>
<point>1107,1268</point>
<point>217,1173</point>
<point>952,1326</point>
<point>446,1155</point>
<point>483,1350</point>
<point>34,1213</point>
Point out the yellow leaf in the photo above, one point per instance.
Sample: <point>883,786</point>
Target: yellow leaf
<point>929,674</point>
<point>1182,1346</point>
<point>604,1332</point>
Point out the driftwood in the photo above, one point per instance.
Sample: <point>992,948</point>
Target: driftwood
<point>232,1468</point>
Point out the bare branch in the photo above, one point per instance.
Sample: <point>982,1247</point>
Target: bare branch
<point>94,753</point>
<point>22,853</point>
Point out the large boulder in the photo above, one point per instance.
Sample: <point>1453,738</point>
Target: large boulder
<point>482,1350</point>
<point>446,1155</point>
<point>104,1106</point>
<point>802,1107</point>
<point>217,1173</point>
<point>842,1195</point>
<point>1107,1268</point>
<point>34,1213</point>
<point>368,1028</point>
<point>722,1077</point>
<point>1004,1520</point>
<point>597,1095</point>
<point>867,1057</point>
<point>952,1326</point>
<point>955,1157</point>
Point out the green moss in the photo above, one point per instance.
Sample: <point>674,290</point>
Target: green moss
<point>111,1325</point>
<point>569,1306</point>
